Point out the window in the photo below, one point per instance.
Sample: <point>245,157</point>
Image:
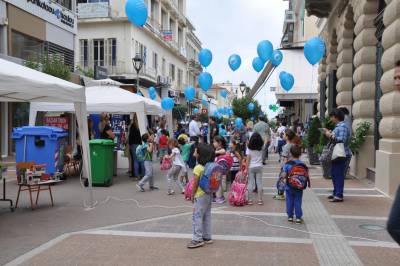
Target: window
<point>98,52</point>
<point>112,52</point>
<point>155,62</point>
<point>65,3</point>
<point>180,77</point>
<point>84,52</point>
<point>25,47</point>
<point>163,67</point>
<point>172,71</point>
<point>142,50</point>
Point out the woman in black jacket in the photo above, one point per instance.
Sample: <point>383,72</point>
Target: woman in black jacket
<point>135,140</point>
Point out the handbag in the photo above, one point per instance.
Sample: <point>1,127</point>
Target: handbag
<point>338,152</point>
<point>326,154</point>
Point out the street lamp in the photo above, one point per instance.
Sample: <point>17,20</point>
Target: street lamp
<point>137,62</point>
<point>242,88</point>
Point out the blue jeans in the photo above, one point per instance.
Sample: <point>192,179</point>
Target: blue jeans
<point>138,167</point>
<point>337,172</point>
<point>201,218</point>
<point>294,198</point>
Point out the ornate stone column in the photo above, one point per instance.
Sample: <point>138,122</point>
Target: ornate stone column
<point>364,80</point>
<point>331,61</point>
<point>388,156</point>
<point>321,77</point>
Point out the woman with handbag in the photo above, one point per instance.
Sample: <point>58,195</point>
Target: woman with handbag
<point>340,137</point>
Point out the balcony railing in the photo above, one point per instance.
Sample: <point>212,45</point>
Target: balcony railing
<point>114,68</point>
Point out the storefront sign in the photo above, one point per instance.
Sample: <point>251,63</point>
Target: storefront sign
<point>204,111</point>
<point>56,121</point>
<point>100,72</point>
<point>49,11</point>
<point>167,35</point>
<point>93,10</point>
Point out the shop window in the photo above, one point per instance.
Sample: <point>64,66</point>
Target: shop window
<point>26,47</point>
<point>172,71</point>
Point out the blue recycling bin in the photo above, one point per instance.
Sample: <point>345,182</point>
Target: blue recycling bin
<point>42,145</point>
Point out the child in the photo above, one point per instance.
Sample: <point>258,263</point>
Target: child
<point>274,140</point>
<point>163,144</point>
<point>185,148</point>
<point>254,166</point>
<point>237,159</point>
<point>202,201</point>
<point>148,148</point>
<point>219,145</point>
<point>294,196</point>
<point>289,137</point>
<point>177,165</point>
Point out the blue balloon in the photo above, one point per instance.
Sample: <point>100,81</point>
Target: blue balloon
<point>234,62</point>
<point>314,50</point>
<point>277,58</point>
<point>215,113</point>
<point>258,64</point>
<point>152,90</point>
<point>195,111</point>
<point>221,110</point>
<point>136,11</point>
<point>204,102</point>
<point>251,107</point>
<point>282,74</point>
<point>205,81</point>
<point>205,57</point>
<point>190,93</point>
<point>167,103</point>
<point>287,81</point>
<point>270,107</point>
<point>153,96</point>
<point>264,50</point>
<point>230,111</point>
<point>238,122</point>
<point>224,93</point>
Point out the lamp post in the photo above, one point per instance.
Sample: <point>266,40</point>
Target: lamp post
<point>137,62</point>
<point>242,88</point>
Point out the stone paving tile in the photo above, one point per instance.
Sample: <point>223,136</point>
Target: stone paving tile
<point>351,227</point>
<point>223,224</point>
<point>361,206</point>
<point>372,256</point>
<point>120,250</point>
<point>270,205</point>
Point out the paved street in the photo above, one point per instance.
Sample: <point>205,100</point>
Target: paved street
<point>118,232</point>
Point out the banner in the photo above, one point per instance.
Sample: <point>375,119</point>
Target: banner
<point>57,121</point>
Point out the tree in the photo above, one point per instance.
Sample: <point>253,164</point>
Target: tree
<point>179,112</point>
<point>240,108</point>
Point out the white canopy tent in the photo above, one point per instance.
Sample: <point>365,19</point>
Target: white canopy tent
<point>21,84</point>
<point>109,99</point>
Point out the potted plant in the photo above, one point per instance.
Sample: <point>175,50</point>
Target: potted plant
<point>311,140</point>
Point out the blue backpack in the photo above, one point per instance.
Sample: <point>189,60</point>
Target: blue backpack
<point>140,152</point>
<point>210,181</point>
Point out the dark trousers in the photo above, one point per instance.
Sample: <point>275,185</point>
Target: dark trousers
<point>393,224</point>
<point>294,198</point>
<point>337,173</point>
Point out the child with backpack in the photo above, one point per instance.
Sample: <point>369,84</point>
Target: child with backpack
<point>202,201</point>
<point>163,144</point>
<point>185,148</point>
<point>297,179</point>
<point>177,165</point>
<point>254,166</point>
<point>235,152</point>
<point>144,153</point>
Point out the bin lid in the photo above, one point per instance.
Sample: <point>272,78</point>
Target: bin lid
<point>51,132</point>
<point>101,142</point>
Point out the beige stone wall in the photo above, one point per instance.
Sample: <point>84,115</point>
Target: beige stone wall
<point>321,77</point>
<point>388,156</point>
<point>364,80</point>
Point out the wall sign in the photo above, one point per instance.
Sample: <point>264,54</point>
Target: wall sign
<point>56,121</point>
<point>50,12</point>
<point>93,10</point>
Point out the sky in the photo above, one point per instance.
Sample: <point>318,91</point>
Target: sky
<point>237,26</point>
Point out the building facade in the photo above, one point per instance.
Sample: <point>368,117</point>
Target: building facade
<point>167,45</point>
<point>31,30</point>
<point>363,44</point>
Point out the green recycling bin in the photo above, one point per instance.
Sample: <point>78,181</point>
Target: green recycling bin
<point>102,161</point>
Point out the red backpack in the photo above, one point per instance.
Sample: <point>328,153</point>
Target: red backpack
<point>225,161</point>
<point>298,177</point>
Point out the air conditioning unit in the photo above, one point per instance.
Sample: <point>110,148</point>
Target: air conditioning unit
<point>4,21</point>
<point>289,16</point>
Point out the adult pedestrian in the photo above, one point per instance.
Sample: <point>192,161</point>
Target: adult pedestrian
<point>348,122</point>
<point>281,142</point>
<point>214,130</point>
<point>393,224</point>
<point>262,128</point>
<point>340,134</point>
<point>135,140</point>
<point>194,130</point>
<point>106,131</point>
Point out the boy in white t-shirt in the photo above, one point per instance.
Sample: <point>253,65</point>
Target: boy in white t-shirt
<point>254,166</point>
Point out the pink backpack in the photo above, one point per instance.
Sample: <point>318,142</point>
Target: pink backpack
<point>238,194</point>
<point>189,189</point>
<point>166,164</point>
<point>225,161</point>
